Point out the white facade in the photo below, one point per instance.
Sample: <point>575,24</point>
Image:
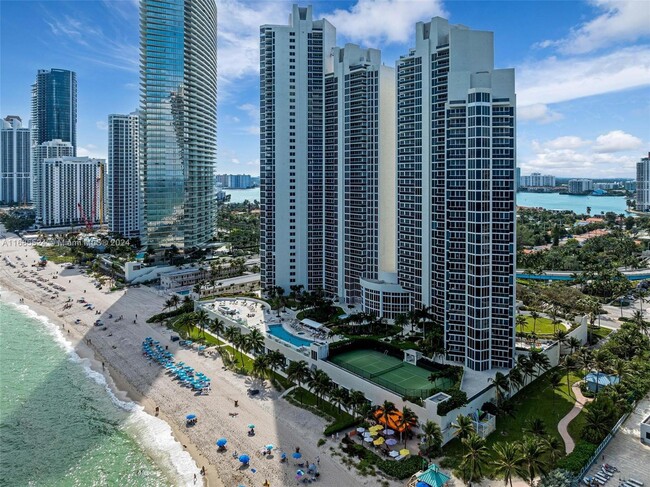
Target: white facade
<point>456,190</point>
<point>15,165</point>
<point>122,183</point>
<point>47,150</point>
<point>643,184</point>
<point>537,180</point>
<point>580,186</point>
<point>293,61</point>
<point>72,191</point>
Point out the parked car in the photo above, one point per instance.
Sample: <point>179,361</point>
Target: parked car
<point>175,338</point>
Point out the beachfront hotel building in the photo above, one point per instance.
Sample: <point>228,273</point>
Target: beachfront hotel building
<point>456,190</point>
<point>72,191</point>
<point>643,184</point>
<point>15,166</point>
<point>293,61</point>
<point>122,170</point>
<point>178,121</point>
<point>54,117</point>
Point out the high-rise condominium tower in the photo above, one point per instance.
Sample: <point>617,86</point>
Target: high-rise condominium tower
<point>122,183</point>
<point>643,184</point>
<point>54,117</point>
<point>456,200</point>
<point>359,187</point>
<point>293,61</point>
<point>178,120</point>
<point>15,168</point>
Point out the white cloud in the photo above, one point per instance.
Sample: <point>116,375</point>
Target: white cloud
<point>253,113</point>
<point>539,112</point>
<point>616,141</point>
<point>620,21</point>
<point>90,150</point>
<point>572,156</point>
<point>375,22</point>
<point>554,80</point>
<point>101,125</point>
<point>234,160</point>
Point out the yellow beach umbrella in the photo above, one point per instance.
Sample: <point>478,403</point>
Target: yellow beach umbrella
<point>373,433</point>
<point>376,427</point>
<point>379,441</point>
<point>404,452</point>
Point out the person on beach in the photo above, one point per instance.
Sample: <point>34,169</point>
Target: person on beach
<point>103,366</point>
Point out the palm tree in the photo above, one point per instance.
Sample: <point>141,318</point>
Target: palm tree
<point>387,409</point>
<point>260,367</point>
<point>197,289</point>
<point>338,396</point>
<point>217,326</point>
<point>501,384</point>
<point>475,457</point>
<point>540,360</point>
<point>320,383</point>
<point>202,320</point>
<point>521,322</point>
<point>277,360</point>
<point>168,304</point>
<point>527,367</point>
<point>555,381</point>
<point>256,340</point>
<point>506,461</point>
<point>515,377</point>
<point>554,447</point>
<point>574,344</point>
<point>231,333</point>
<point>532,449</point>
<point>464,426</point>
<point>357,399</point>
<point>602,361</point>
<point>175,300</point>
<point>298,372</point>
<point>569,365</point>
<point>534,315</point>
<point>561,336</point>
<point>407,421</point>
<point>536,426</point>
<point>432,437</point>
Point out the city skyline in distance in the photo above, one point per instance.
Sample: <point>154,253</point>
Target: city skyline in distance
<point>570,124</point>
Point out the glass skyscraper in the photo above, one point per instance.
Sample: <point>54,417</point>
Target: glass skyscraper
<point>178,124</point>
<point>54,106</point>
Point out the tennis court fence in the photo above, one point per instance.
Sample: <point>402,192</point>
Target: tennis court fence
<point>377,378</point>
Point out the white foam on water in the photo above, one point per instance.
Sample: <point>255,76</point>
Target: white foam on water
<point>152,434</point>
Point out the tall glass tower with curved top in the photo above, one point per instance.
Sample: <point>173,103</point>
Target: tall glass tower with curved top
<point>178,105</point>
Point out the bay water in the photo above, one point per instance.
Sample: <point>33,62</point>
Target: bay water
<point>61,424</point>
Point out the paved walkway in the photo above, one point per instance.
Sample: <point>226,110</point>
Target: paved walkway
<point>581,400</point>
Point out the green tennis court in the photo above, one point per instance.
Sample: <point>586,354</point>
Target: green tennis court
<point>390,372</point>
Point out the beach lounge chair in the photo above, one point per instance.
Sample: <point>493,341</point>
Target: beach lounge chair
<point>636,483</point>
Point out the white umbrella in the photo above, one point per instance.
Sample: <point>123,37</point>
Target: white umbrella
<point>360,430</point>
<point>394,454</point>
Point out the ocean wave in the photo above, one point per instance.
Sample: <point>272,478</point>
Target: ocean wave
<point>152,434</point>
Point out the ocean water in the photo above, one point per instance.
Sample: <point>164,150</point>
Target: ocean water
<point>576,203</point>
<point>61,425</point>
<point>241,195</point>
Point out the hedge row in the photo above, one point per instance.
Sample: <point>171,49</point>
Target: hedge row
<point>578,458</point>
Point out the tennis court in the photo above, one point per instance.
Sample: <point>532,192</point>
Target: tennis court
<point>390,372</point>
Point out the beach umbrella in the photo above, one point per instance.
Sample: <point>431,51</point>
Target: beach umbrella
<point>269,447</point>
<point>361,430</point>
<point>244,459</point>
<point>222,442</point>
<point>391,442</point>
<point>251,426</point>
<point>394,454</point>
<point>379,441</point>
<point>283,456</point>
<point>300,473</point>
<point>388,432</point>
<point>373,433</point>
<point>297,455</point>
<point>190,416</point>
<point>404,452</point>
<point>367,439</point>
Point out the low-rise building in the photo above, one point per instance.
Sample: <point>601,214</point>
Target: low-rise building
<point>188,277</point>
<point>580,186</point>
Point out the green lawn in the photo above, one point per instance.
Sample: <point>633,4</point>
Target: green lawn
<point>56,254</point>
<point>543,326</point>
<point>537,400</point>
<point>600,332</point>
<point>195,334</point>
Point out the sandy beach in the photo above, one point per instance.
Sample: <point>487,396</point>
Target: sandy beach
<point>133,377</point>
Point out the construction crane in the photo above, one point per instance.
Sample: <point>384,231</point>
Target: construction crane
<point>87,223</point>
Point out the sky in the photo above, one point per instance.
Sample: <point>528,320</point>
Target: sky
<point>582,69</point>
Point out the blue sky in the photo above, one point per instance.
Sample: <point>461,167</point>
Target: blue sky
<point>582,68</point>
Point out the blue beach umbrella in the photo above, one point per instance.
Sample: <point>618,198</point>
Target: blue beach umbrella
<point>283,456</point>
<point>190,416</point>
<point>297,455</point>
<point>422,484</point>
<point>222,442</point>
<point>251,426</point>
<point>244,459</point>
<point>269,447</point>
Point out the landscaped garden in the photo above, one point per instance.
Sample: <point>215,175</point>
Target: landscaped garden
<point>540,326</point>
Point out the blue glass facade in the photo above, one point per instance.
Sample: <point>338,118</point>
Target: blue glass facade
<point>178,121</point>
<point>54,106</point>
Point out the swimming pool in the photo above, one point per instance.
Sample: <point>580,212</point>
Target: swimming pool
<point>279,332</point>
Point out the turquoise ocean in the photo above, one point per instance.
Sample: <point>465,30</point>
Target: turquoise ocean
<point>60,423</point>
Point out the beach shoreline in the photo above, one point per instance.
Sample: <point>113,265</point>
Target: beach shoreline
<point>133,378</point>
